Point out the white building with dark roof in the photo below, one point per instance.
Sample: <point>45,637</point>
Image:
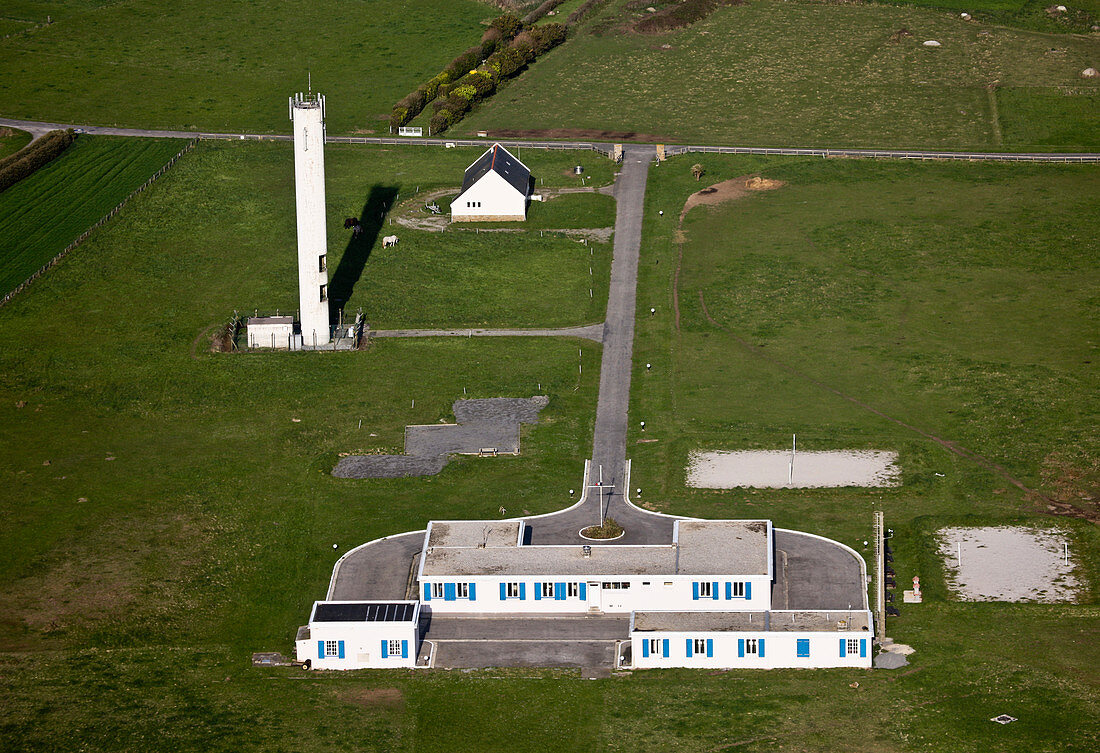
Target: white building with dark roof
<point>360,634</point>
<point>495,188</point>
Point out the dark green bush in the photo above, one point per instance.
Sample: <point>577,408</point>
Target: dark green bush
<point>23,164</point>
<point>508,25</point>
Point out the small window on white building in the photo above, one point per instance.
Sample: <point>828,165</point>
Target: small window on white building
<point>394,648</point>
<point>616,586</point>
<point>573,589</point>
<point>512,590</point>
<point>700,646</point>
<point>462,590</point>
<point>437,590</point>
<point>324,293</point>
<point>738,589</point>
<point>705,589</point>
<point>853,646</point>
<point>332,648</point>
<point>548,590</point>
<point>750,646</point>
<point>322,265</point>
<point>654,646</point>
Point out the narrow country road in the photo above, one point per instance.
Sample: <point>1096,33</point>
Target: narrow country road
<point>37,128</point>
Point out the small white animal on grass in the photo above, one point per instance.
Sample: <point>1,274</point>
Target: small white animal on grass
<point>389,240</point>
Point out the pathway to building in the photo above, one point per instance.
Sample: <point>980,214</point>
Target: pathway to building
<point>594,332</point>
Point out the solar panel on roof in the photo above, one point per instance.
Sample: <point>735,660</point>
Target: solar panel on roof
<point>361,612</point>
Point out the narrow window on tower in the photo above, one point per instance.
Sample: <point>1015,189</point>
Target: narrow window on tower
<point>324,293</point>
<point>321,267</point>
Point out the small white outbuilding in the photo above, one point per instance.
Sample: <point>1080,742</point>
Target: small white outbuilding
<point>360,634</point>
<point>495,188</point>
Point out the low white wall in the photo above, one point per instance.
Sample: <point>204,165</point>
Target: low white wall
<point>361,643</point>
<point>729,650</point>
<point>263,335</point>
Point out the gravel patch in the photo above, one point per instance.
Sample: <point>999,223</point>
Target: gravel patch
<point>771,468</point>
<point>482,424</point>
<point>1008,563</point>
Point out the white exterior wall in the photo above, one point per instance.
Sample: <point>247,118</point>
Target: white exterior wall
<point>496,196</point>
<point>656,596</point>
<point>309,192</point>
<point>781,650</point>
<point>361,643</point>
<point>270,335</point>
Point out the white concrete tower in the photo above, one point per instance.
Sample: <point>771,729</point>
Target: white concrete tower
<point>308,113</point>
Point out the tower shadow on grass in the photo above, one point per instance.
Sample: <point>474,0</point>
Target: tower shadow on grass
<point>350,269</point>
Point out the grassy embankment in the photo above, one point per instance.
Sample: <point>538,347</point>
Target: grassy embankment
<point>41,215</point>
<point>812,74</point>
<point>103,63</point>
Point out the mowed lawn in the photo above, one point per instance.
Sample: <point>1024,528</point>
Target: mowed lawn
<point>42,214</point>
<point>226,65</point>
<point>811,74</point>
<point>959,300</point>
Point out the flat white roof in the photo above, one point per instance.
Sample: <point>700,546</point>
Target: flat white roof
<point>704,547</point>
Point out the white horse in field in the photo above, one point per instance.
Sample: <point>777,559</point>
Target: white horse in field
<point>389,240</point>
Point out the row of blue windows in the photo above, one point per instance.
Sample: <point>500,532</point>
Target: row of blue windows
<point>746,647</point>
<point>391,649</point>
<point>517,590</point>
<point>709,590</point>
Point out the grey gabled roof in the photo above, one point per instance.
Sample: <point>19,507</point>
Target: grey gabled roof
<point>500,161</point>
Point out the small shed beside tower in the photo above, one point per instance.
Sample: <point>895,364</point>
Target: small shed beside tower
<point>495,188</point>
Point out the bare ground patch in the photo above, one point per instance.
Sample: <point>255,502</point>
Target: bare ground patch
<point>1008,563</point>
<point>1073,487</point>
<point>773,469</point>
<point>576,133</point>
<point>374,698</point>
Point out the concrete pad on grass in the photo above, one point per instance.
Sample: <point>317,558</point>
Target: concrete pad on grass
<point>771,469</point>
<point>1008,563</point>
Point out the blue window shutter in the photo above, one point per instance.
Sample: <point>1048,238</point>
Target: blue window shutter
<point>710,648</point>
<point>729,590</point>
<point>741,648</point>
<point>522,591</point>
<point>803,646</point>
<point>448,592</point>
<point>664,648</point>
<point>385,649</point>
<point>695,591</point>
<point>503,592</point>
<point>427,592</point>
<point>760,648</point>
<point>538,592</point>
<point>320,649</point>
<point>404,649</point>
<point>862,648</point>
<point>748,589</point>
<point>645,648</point>
<point>584,592</point>
<point>714,591</point>
<point>340,649</point>
<point>688,648</point>
<point>473,592</point>
<point>559,591</point>
<point>843,653</point>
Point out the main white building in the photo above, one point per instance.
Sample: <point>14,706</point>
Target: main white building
<point>704,600</point>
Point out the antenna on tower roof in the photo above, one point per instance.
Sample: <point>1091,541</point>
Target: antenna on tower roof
<point>309,81</point>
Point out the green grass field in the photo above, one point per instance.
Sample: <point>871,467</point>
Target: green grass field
<point>811,74</point>
<point>42,214</point>
<point>11,141</point>
<point>167,517</point>
<point>230,65</point>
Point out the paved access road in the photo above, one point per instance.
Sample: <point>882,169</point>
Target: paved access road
<point>38,128</point>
